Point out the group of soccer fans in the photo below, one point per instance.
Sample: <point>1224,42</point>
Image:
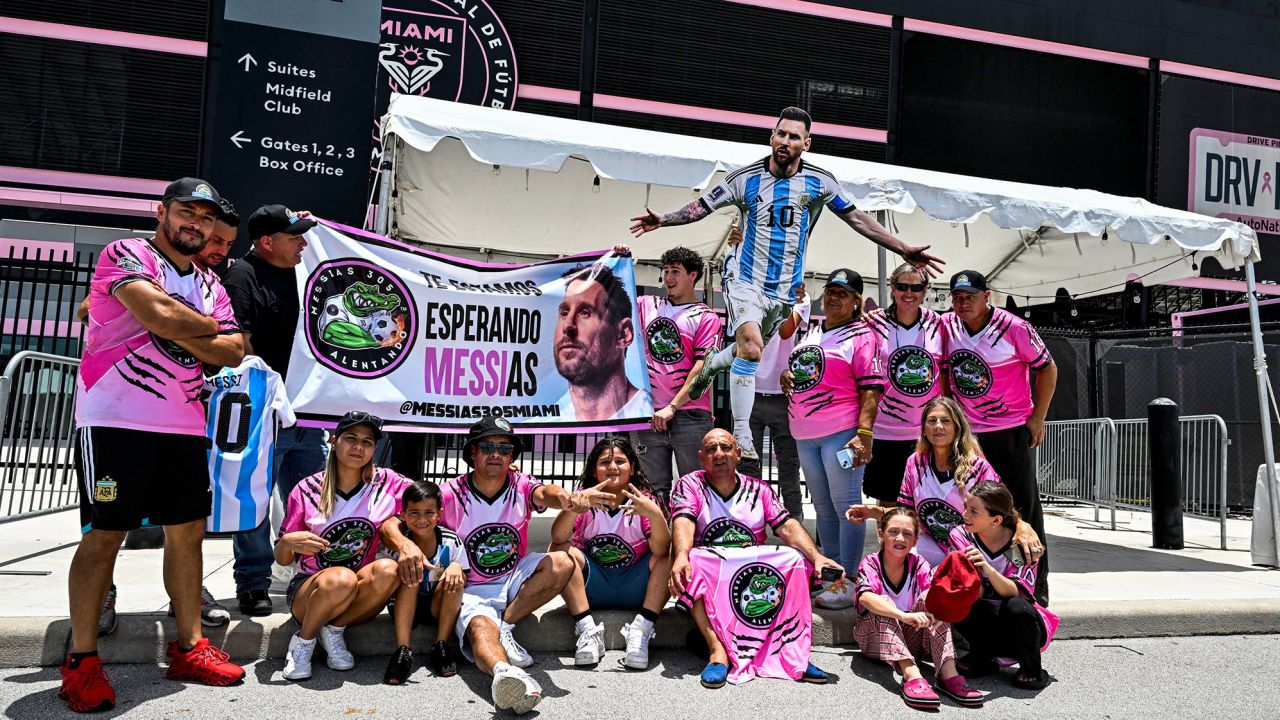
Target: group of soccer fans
<point>363,537</point>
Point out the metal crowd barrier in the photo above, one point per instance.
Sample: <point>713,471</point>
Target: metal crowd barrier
<point>37,435</point>
<point>1105,463</point>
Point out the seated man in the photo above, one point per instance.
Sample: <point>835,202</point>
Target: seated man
<point>741,593</point>
<point>489,508</point>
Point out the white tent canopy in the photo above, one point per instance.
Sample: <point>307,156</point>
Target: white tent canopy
<point>522,185</point>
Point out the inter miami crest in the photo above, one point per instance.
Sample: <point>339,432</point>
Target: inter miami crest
<point>453,51</point>
<point>494,549</point>
<point>360,318</point>
<point>970,375</point>
<point>758,591</point>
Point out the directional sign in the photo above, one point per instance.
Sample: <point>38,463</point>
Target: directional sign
<point>291,118</point>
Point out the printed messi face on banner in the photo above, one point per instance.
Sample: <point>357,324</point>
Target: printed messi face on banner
<point>360,319</point>
<point>757,591</point>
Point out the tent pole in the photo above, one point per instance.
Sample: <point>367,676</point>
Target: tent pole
<point>1260,367</point>
<point>386,171</point>
<point>882,265</point>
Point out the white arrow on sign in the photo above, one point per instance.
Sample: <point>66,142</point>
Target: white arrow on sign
<point>239,138</point>
<point>248,60</point>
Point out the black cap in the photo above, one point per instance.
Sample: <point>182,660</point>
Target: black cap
<point>189,189</point>
<point>272,219</point>
<point>229,214</point>
<point>488,427</point>
<point>359,417</point>
<point>969,281</point>
<point>847,279</point>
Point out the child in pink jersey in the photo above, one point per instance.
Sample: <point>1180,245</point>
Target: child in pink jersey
<point>1007,621</point>
<point>911,342</point>
<point>330,529</point>
<point>834,382</point>
<point>678,333</point>
<point>893,624</point>
<point>947,463</point>
<point>623,550</point>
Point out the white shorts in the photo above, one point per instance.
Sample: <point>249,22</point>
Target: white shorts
<point>747,303</point>
<point>490,599</point>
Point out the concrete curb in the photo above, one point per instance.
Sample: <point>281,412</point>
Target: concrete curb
<point>141,638</point>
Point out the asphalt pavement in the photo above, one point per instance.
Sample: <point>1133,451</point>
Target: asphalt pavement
<point>1143,678</point>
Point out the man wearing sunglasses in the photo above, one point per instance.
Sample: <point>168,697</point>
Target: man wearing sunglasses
<point>780,198</point>
<point>990,354</point>
<point>489,508</point>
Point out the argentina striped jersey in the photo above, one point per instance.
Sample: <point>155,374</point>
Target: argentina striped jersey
<point>778,215</point>
<point>246,405</point>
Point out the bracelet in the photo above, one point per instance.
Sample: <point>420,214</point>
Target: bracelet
<point>864,431</point>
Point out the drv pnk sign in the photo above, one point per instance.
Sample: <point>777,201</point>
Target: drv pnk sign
<point>1235,176</point>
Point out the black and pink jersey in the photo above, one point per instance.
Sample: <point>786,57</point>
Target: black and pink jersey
<point>990,370</point>
<point>676,337</point>
<point>352,528</point>
<point>757,600</point>
<point>916,579</point>
<point>129,377</point>
<point>938,501</point>
<point>494,530</point>
<point>828,370</point>
<point>1001,560</point>
<point>912,358</point>
<point>611,538</point>
<point>739,520</point>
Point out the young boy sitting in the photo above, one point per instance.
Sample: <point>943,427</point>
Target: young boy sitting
<point>438,598</point>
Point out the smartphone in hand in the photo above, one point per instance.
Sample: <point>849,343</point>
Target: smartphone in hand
<point>846,458</point>
<point>830,574</point>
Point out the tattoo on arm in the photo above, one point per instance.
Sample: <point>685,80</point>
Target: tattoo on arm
<point>692,212</point>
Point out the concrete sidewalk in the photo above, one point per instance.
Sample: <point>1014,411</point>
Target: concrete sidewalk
<point>1104,584</point>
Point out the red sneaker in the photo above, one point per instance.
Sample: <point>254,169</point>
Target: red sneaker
<point>205,664</point>
<point>86,688</point>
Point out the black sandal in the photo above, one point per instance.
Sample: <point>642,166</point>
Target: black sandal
<point>1025,681</point>
<point>400,667</point>
<point>972,667</point>
<point>442,660</point>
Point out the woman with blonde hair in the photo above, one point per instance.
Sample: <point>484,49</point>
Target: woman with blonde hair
<point>911,338</point>
<point>331,529</point>
<point>946,464</point>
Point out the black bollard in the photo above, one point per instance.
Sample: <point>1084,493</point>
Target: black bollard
<point>1164,441</point>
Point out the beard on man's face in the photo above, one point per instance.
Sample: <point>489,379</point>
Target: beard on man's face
<point>188,241</point>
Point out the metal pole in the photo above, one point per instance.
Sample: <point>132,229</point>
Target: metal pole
<point>1260,369</point>
<point>386,173</point>
<point>882,265</point>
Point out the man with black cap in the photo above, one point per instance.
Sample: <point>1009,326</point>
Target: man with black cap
<point>263,288</point>
<point>154,318</point>
<point>989,355</point>
<point>489,508</point>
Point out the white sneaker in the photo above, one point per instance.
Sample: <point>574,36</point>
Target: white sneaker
<point>513,688</point>
<point>838,596</point>
<point>748,446</point>
<point>297,664</point>
<point>212,612</point>
<point>337,656</point>
<point>637,638</point>
<point>590,646</point>
<point>516,655</point>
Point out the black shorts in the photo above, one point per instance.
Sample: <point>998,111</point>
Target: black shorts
<point>131,478</point>
<point>883,477</point>
<point>422,614</point>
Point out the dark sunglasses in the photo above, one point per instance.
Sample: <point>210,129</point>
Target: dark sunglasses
<point>488,448</point>
<point>359,416</point>
<point>913,287</point>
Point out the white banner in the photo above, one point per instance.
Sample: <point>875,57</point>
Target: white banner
<point>1235,176</point>
<point>432,342</point>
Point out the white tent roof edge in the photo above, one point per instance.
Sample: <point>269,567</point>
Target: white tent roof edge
<point>523,140</point>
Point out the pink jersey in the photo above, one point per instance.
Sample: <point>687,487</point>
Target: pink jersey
<point>828,368</point>
<point>990,370</point>
<point>494,530</point>
<point>739,520</point>
<point>757,600</point>
<point>130,378</point>
<point>916,579</point>
<point>912,358</point>
<point>1001,561</point>
<point>676,337</point>
<point>936,500</point>
<point>352,527</point>
<point>612,538</point>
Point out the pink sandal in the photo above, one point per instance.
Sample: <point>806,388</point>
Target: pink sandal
<point>959,690</point>
<point>919,694</point>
